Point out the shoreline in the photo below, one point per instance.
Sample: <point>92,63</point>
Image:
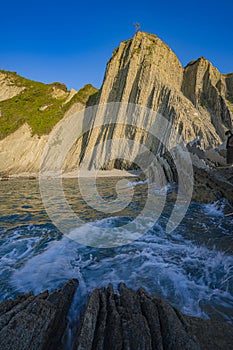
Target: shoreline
<point>73,175</point>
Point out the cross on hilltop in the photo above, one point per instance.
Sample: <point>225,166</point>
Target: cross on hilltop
<point>137,26</point>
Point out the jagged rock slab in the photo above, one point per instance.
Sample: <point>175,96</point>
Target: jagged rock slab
<point>212,184</point>
<point>126,320</point>
<point>35,322</point>
<point>134,320</point>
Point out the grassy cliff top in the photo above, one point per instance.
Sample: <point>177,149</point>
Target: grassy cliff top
<point>40,105</point>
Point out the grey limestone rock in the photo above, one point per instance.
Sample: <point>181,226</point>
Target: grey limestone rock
<point>35,322</point>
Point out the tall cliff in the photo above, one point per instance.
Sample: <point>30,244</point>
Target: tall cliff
<point>197,100</point>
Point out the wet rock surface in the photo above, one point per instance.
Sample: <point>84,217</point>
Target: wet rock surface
<point>36,322</point>
<point>136,320</point>
<point>111,320</point>
<point>211,184</point>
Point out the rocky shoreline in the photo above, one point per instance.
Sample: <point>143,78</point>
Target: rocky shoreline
<point>115,320</point>
<point>73,174</point>
<point>210,183</point>
<point>213,184</point>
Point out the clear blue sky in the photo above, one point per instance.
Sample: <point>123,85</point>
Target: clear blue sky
<point>71,41</point>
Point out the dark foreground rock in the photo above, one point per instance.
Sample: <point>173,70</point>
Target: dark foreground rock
<point>125,320</point>
<point>134,320</point>
<point>35,322</point>
<point>211,184</point>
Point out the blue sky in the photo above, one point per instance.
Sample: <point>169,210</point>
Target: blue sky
<point>71,41</point>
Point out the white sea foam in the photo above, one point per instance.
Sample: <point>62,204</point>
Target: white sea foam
<point>215,209</point>
<point>157,190</point>
<point>189,276</point>
<point>137,183</point>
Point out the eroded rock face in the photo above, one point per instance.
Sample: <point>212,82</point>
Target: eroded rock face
<point>206,88</point>
<point>7,88</point>
<point>136,68</point>
<point>135,320</point>
<point>20,152</point>
<point>213,184</point>
<point>126,320</point>
<point>145,71</point>
<point>197,100</point>
<point>35,322</point>
<point>131,321</point>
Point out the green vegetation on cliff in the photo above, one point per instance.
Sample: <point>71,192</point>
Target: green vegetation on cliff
<point>40,105</point>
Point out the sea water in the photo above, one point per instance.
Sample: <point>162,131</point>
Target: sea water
<point>192,268</point>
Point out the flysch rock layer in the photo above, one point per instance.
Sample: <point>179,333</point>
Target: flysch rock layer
<point>36,322</point>
<point>122,320</point>
<point>197,100</point>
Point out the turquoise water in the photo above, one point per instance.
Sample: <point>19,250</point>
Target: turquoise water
<point>192,267</point>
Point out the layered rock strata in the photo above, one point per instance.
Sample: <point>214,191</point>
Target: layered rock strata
<point>197,100</point>
<point>123,320</point>
<point>36,322</point>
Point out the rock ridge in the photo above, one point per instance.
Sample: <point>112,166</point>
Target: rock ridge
<point>116,320</point>
<point>36,322</point>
